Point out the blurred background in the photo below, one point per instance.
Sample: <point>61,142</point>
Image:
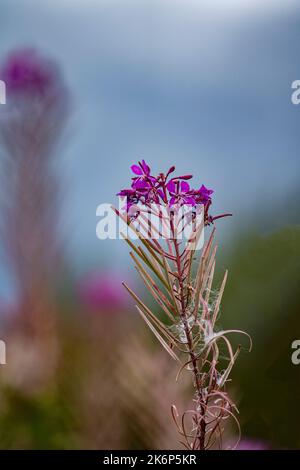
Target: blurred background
<point>93,86</point>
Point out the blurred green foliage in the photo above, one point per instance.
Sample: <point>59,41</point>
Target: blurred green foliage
<point>262,298</point>
<point>112,384</point>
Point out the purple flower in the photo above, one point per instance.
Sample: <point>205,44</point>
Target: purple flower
<point>180,193</point>
<point>143,189</point>
<point>203,195</point>
<point>141,169</point>
<point>131,198</point>
<point>26,73</point>
<point>102,292</point>
<point>144,181</point>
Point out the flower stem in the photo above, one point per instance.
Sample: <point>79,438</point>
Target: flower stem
<point>200,436</point>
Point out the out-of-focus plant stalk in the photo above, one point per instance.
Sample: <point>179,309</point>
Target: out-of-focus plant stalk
<point>31,126</point>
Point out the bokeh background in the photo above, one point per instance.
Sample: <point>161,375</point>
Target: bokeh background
<point>204,85</point>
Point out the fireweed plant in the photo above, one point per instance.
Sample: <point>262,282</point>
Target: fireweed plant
<point>181,283</point>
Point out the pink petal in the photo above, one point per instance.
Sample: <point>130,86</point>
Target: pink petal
<point>189,200</point>
<point>140,184</point>
<point>185,187</point>
<point>136,170</point>
<point>145,167</point>
<point>171,187</point>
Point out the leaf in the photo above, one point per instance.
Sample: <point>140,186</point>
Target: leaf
<point>170,286</point>
<point>217,306</point>
<point>200,272</point>
<point>158,336</point>
<point>158,323</point>
<point>155,295</point>
<point>142,240</point>
<point>229,368</point>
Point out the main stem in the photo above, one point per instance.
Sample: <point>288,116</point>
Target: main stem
<point>183,314</point>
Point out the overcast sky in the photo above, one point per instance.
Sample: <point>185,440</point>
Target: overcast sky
<point>202,84</point>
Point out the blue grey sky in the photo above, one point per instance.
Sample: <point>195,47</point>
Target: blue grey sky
<point>204,85</point>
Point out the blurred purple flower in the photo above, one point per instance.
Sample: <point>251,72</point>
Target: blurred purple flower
<point>31,126</point>
<point>27,73</point>
<point>252,444</point>
<point>102,292</point>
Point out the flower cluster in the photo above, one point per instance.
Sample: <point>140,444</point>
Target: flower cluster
<point>163,189</point>
<point>27,73</point>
